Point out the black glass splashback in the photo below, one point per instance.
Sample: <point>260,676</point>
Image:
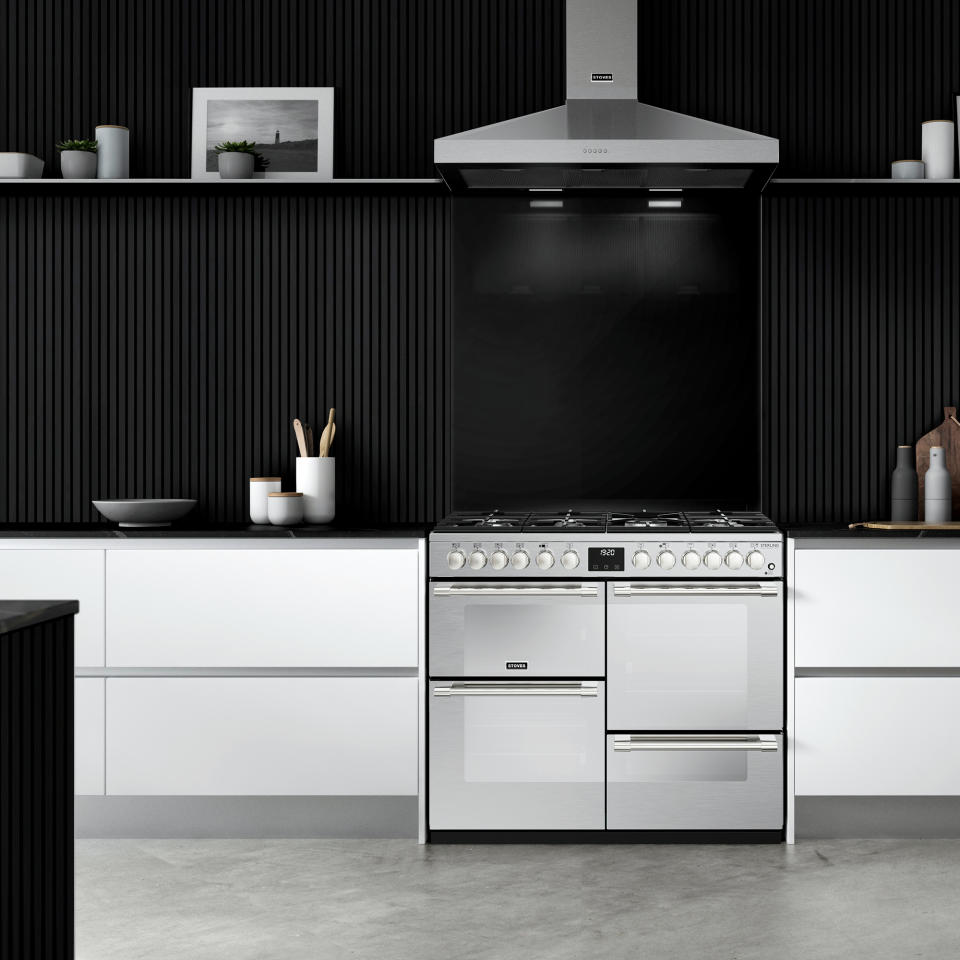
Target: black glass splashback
<point>605,350</point>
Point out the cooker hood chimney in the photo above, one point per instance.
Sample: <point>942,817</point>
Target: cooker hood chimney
<point>602,138</point>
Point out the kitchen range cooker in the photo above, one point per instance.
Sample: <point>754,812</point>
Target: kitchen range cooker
<point>619,674</point>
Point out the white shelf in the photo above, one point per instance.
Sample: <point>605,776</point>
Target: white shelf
<point>133,181</point>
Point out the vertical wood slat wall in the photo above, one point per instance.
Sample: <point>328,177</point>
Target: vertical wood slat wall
<point>158,343</point>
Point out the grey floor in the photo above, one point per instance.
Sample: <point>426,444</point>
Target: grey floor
<point>392,899</point>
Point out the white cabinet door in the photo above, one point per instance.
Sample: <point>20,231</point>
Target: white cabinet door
<point>877,736</point>
<point>877,608</point>
<point>262,608</point>
<point>88,747</point>
<point>61,575</point>
<point>244,736</point>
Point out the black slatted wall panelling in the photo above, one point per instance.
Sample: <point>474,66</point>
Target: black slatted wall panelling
<point>862,296</point>
<point>161,345</point>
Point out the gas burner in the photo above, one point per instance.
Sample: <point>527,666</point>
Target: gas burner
<point>566,521</point>
<point>482,521</point>
<point>647,521</point>
<point>721,520</point>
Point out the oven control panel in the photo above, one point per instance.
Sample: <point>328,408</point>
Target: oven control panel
<point>698,556</point>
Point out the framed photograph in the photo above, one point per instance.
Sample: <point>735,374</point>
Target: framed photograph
<point>292,128</point>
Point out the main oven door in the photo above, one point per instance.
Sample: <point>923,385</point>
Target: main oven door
<point>694,782</point>
<point>695,656</point>
<point>516,756</point>
<point>516,630</point>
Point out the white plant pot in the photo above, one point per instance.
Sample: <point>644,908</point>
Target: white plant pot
<point>78,165</point>
<point>235,166</point>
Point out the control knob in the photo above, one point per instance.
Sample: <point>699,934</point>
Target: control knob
<point>498,560</point>
<point>545,560</point>
<point>691,559</point>
<point>520,560</point>
<point>755,560</point>
<point>734,560</point>
<point>456,559</point>
<point>712,560</point>
<point>570,560</point>
<point>477,560</point>
<point>667,560</point>
<point>641,560</point>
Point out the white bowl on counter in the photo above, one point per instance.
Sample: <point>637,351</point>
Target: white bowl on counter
<point>20,166</point>
<point>144,512</point>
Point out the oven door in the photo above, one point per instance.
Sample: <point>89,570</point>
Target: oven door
<point>516,756</point>
<point>695,656</point>
<point>694,782</point>
<point>517,630</point>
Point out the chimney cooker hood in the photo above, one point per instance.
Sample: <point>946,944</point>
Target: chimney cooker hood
<point>603,138</point>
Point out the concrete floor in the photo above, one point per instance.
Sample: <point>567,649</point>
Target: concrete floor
<point>392,900</point>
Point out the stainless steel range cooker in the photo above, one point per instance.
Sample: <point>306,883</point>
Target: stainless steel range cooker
<point>606,672</point>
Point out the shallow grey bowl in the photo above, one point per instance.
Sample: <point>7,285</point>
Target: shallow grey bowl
<point>144,513</point>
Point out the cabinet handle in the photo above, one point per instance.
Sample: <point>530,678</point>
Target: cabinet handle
<point>739,590</point>
<point>517,689</point>
<point>673,742</point>
<point>516,590</point>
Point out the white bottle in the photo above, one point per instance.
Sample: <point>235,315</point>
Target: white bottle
<point>937,489</point>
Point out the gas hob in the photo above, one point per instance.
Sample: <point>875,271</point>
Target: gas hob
<point>714,544</point>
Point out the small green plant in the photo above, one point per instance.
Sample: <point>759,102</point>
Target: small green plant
<point>260,162</point>
<point>88,146</point>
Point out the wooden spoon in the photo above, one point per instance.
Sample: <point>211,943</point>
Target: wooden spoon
<point>326,438</point>
<point>309,434</point>
<point>301,440</point>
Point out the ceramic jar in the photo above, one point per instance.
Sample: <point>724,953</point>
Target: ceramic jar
<point>937,489</point>
<point>937,149</point>
<point>259,488</point>
<point>285,509</point>
<point>113,152</point>
<point>316,480</point>
<point>903,488</point>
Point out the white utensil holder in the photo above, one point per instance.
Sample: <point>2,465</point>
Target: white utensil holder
<point>316,480</point>
<point>259,488</point>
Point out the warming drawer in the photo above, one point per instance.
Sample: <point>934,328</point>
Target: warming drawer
<point>694,782</point>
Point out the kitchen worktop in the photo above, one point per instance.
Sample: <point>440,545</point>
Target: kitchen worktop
<point>865,537</point>
<point>19,614</point>
<point>94,531</point>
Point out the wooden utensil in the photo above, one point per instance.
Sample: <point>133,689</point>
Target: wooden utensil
<point>309,433</point>
<point>947,435</point>
<point>301,440</point>
<point>333,433</point>
<point>326,438</point>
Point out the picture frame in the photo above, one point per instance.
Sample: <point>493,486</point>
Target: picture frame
<point>292,128</point>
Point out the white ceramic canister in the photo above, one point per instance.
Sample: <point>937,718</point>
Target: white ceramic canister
<point>938,149</point>
<point>285,509</point>
<point>907,170</point>
<point>113,152</point>
<point>259,488</point>
<point>316,480</point>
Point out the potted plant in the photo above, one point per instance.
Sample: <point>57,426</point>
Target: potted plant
<point>237,160</point>
<point>78,159</point>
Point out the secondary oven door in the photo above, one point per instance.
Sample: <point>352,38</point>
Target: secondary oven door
<point>695,656</point>
<point>516,755</point>
<point>516,630</point>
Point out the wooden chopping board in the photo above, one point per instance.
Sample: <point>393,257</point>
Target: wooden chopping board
<point>953,525</point>
<point>947,435</point>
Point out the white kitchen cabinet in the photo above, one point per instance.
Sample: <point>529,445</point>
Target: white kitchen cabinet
<point>877,736</point>
<point>61,575</point>
<point>249,736</point>
<point>263,608</point>
<point>876,608</point>
<point>88,733</point>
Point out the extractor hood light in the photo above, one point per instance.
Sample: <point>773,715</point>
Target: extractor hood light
<point>664,204</point>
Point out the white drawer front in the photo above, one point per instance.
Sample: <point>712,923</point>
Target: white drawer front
<point>876,608</point>
<point>262,608</point>
<point>245,736</point>
<point>877,736</point>
<point>88,775</point>
<point>61,575</point>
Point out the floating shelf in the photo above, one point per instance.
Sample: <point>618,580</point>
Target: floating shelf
<point>341,185</point>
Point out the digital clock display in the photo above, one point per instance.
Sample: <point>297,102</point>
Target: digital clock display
<point>602,559</point>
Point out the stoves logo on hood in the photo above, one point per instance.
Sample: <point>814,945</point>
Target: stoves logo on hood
<point>601,78</point>
<point>516,664</point>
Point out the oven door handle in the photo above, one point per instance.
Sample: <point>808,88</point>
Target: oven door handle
<point>516,590</point>
<point>517,688</point>
<point>719,590</point>
<point>697,742</point>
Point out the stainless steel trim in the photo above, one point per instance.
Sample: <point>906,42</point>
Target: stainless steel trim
<point>695,742</point>
<point>516,689</point>
<point>516,590</point>
<point>719,590</point>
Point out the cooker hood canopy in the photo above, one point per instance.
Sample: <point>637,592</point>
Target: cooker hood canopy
<point>603,138</point>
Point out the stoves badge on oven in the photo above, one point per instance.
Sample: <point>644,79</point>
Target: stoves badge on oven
<point>516,664</point>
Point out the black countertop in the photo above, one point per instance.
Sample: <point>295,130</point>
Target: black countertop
<point>344,530</point>
<point>19,614</point>
<point>836,531</point>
